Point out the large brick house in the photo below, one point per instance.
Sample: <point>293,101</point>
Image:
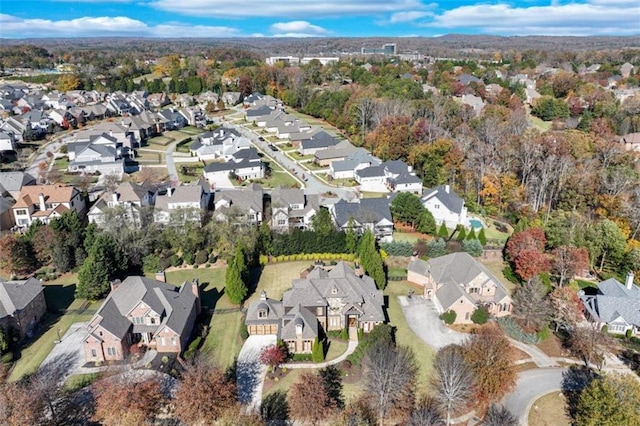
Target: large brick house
<point>460,283</point>
<point>22,305</point>
<point>142,311</point>
<point>328,298</point>
<point>45,203</point>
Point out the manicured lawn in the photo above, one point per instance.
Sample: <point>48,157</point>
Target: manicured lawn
<point>549,410</point>
<point>194,170</point>
<point>159,142</point>
<point>404,336</point>
<point>496,266</point>
<point>296,156</point>
<point>336,348</point>
<point>410,237</point>
<point>211,285</point>
<point>59,297</point>
<point>61,163</point>
<point>374,194</point>
<point>276,278</point>
<point>223,342</point>
<point>79,381</point>
<point>280,178</point>
<point>539,124</point>
<point>190,130</point>
<point>144,156</point>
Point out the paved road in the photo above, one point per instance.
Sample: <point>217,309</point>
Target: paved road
<point>531,385</point>
<point>52,146</point>
<point>541,359</point>
<point>422,317</point>
<point>171,165</point>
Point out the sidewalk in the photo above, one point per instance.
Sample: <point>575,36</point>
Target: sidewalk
<point>351,347</point>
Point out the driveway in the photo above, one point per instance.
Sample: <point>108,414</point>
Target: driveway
<point>250,373</point>
<point>68,349</point>
<point>422,317</point>
<point>531,385</point>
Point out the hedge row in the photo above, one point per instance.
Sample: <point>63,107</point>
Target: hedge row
<point>349,257</point>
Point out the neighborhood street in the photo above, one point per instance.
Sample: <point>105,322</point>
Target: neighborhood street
<point>531,385</point>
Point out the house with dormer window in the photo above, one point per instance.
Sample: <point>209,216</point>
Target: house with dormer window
<point>460,283</point>
<point>45,203</point>
<point>145,312</point>
<point>292,208</point>
<point>240,206</point>
<point>328,298</point>
<point>129,202</point>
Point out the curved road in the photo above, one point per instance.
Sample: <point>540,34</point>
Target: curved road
<point>531,385</point>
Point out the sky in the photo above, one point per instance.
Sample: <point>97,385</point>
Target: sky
<point>309,18</point>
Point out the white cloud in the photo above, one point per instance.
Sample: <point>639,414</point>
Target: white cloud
<point>408,16</point>
<point>297,27</point>
<point>614,17</point>
<point>284,8</point>
<point>12,26</point>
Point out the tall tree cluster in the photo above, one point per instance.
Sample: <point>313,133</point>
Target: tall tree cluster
<point>371,259</point>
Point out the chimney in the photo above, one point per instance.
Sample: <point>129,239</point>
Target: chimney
<point>114,197</point>
<point>43,205</point>
<point>161,276</point>
<point>263,295</point>
<point>629,281</point>
<point>195,288</point>
<point>115,284</point>
<point>447,188</point>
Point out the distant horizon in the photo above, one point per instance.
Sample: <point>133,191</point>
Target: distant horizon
<point>208,19</point>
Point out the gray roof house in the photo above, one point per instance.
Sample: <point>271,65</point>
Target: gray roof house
<point>218,143</point>
<point>445,206</point>
<point>460,283</point>
<point>368,213</point>
<point>340,151</point>
<point>328,298</point>
<point>292,208</point>
<point>129,204</point>
<point>12,182</point>
<point>22,305</point>
<point>615,305</point>
<point>182,204</point>
<point>317,142</point>
<point>360,158</point>
<point>142,311</point>
<point>240,206</point>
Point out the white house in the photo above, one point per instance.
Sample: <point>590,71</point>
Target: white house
<point>445,206</point>
<point>182,204</point>
<point>245,164</point>
<point>292,208</point>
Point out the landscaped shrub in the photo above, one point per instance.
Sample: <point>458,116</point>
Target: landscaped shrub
<point>244,332</point>
<point>628,334</point>
<point>201,257</point>
<point>189,258</point>
<point>448,317</point>
<point>545,333</point>
<point>480,315</point>
<point>213,258</point>
<point>317,354</point>
<point>176,260</point>
<point>510,275</point>
<point>605,328</point>
<point>151,263</point>
<point>344,334</point>
<point>513,330</point>
<point>473,247</point>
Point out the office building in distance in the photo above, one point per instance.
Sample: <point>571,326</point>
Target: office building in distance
<point>387,49</point>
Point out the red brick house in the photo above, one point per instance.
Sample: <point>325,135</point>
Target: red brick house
<point>142,311</point>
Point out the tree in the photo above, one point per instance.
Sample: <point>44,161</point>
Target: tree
<point>426,223</point>
<point>567,261</point>
<point>68,82</point>
<point>105,263</point>
<point>606,244</point>
<point>332,379</point>
<point>471,235</point>
<point>234,279</point>
<point>480,315</point>
<point>321,222</point>
<point>461,233</point>
<point>274,408</point>
<point>425,413</point>
<point>473,247</point>
<point>436,248</point>
<point>499,416</point>
<point>443,232</point>
<point>590,343</point>
<point>273,356</point>
<point>407,208</point>
<point>317,351</point>
<point>122,401</point>
<point>43,244</point>
<point>530,304</point>
<point>453,380</point>
<point>204,393</point>
<point>16,254</point>
<point>482,237</point>
<point>351,237</point>
<point>490,356</point>
<point>609,400</point>
<point>531,263</point>
<point>4,344</point>
<point>566,308</point>
<point>309,401</point>
<point>390,376</point>
<point>371,259</point>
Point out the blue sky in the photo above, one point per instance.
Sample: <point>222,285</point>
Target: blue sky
<point>308,18</point>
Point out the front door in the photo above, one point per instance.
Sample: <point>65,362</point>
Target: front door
<point>353,321</point>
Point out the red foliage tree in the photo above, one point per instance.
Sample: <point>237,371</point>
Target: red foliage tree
<point>390,139</point>
<point>528,239</point>
<point>273,356</point>
<point>309,400</point>
<point>566,307</point>
<point>567,261</point>
<point>530,263</point>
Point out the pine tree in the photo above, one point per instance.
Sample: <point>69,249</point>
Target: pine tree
<point>105,263</point>
<point>317,354</point>
<point>472,235</point>
<point>443,232</point>
<point>351,238</point>
<point>462,234</point>
<point>371,259</point>
<point>235,287</point>
<point>482,238</point>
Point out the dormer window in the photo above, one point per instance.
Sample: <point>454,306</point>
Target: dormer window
<point>262,313</point>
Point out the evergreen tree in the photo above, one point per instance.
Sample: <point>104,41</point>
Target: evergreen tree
<point>473,247</point>
<point>321,222</point>
<point>472,235</point>
<point>443,232</point>
<point>371,259</point>
<point>234,279</point>
<point>436,248</point>
<point>317,354</point>
<point>426,223</point>
<point>351,238</point>
<point>104,263</point>
<point>482,238</point>
<point>462,234</point>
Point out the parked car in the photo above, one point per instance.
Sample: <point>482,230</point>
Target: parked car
<point>261,139</point>
<point>272,147</point>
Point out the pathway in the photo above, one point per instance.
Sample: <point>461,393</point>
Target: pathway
<point>171,165</point>
<point>541,359</point>
<point>351,347</point>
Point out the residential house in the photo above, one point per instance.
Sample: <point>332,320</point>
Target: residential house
<point>474,102</point>
<point>101,155</point>
<point>357,160</point>
<point>445,206</point>
<point>372,179</point>
<point>244,164</point>
<point>317,142</point>
<point>626,69</point>
<point>12,183</point>
<point>328,298</point>
<point>614,305</point>
<point>240,206</point>
<point>130,203</point>
<point>7,141</point>
<point>338,152</point>
<point>253,113</point>
<point>467,79</point>
<point>146,312</point>
<point>22,306</point>
<point>118,104</point>
<point>182,204</point>
<point>14,127</point>
<point>219,143</point>
<point>120,132</point>
<point>458,282</point>
<point>631,141</point>
<point>193,116</point>
<point>400,177</point>
<point>292,208</point>
<point>46,202</point>
<point>158,100</point>
<point>373,214</point>
<point>174,120</point>
<point>231,98</point>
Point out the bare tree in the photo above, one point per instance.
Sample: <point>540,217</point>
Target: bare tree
<point>590,343</point>
<point>390,376</point>
<point>453,379</point>
<point>309,400</point>
<point>530,305</point>
<point>499,416</point>
<point>426,413</point>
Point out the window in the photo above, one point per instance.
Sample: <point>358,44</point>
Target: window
<point>163,341</point>
<point>23,222</point>
<point>319,310</point>
<point>466,316</point>
<point>112,351</point>
<point>436,206</point>
<point>334,321</point>
<point>617,328</point>
<point>93,353</point>
<point>473,290</point>
<point>262,313</point>
<point>138,320</point>
<point>306,345</point>
<point>152,320</point>
<point>21,212</point>
<point>100,333</point>
<point>281,222</point>
<point>173,341</point>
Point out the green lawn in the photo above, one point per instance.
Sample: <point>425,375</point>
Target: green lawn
<point>61,163</point>
<point>496,267</point>
<point>159,142</point>
<point>280,178</point>
<point>62,307</point>
<point>373,194</point>
<point>404,336</point>
<point>211,285</point>
<point>539,124</point>
<point>296,156</point>
<point>194,168</point>
<point>336,348</point>
<point>150,157</point>
<point>276,278</point>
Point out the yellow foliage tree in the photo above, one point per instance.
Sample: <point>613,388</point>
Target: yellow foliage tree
<point>68,82</point>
